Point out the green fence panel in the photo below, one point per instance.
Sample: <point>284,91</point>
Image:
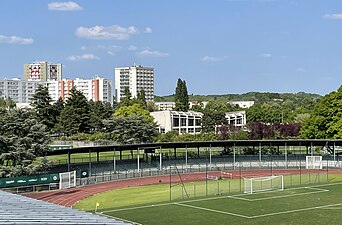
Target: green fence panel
<point>29,180</point>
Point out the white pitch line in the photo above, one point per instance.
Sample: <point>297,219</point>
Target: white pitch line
<point>117,218</point>
<point>238,198</point>
<point>295,210</point>
<point>213,210</point>
<point>285,196</point>
<point>333,208</point>
<point>314,188</point>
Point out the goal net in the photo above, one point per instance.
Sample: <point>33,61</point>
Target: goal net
<point>67,180</point>
<point>314,162</point>
<point>268,183</point>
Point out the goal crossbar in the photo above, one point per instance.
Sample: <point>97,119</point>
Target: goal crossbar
<point>266,183</point>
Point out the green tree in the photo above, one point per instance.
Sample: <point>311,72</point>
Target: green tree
<point>22,139</point>
<point>214,114</point>
<point>141,97</point>
<point>135,109</point>
<point>151,106</point>
<point>75,117</point>
<point>41,102</point>
<point>7,103</point>
<point>326,118</point>
<point>126,100</point>
<point>131,129</point>
<point>197,108</point>
<point>99,111</point>
<point>181,96</point>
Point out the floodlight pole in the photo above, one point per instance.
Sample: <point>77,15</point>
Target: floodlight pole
<point>210,157</point>
<point>259,155</point>
<point>138,160</point>
<point>234,157</point>
<point>186,158</point>
<point>89,174</point>
<point>334,155</point>
<point>160,158</point>
<point>114,161</point>
<point>285,155</point>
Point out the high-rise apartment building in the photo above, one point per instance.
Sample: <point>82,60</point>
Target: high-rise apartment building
<point>96,89</point>
<point>136,78</point>
<point>20,91</point>
<point>42,71</point>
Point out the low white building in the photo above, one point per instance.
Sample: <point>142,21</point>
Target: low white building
<point>165,105</point>
<point>237,119</point>
<point>182,122</point>
<point>171,105</point>
<point>191,122</point>
<point>242,104</point>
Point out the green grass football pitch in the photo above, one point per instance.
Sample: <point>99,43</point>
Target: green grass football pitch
<point>313,202</point>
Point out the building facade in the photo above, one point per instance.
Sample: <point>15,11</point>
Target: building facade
<point>238,119</point>
<point>191,122</point>
<point>42,71</point>
<point>135,78</point>
<point>20,91</point>
<point>96,89</point>
<point>182,122</point>
<point>242,104</point>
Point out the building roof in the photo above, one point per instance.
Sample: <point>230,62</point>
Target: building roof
<point>16,209</point>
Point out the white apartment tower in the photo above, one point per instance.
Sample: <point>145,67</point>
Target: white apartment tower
<point>136,78</point>
<point>96,89</point>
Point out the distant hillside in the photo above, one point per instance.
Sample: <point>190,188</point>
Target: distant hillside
<point>258,97</point>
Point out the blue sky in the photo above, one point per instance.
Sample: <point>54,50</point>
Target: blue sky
<point>217,46</point>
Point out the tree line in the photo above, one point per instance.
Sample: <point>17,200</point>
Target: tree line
<point>25,134</point>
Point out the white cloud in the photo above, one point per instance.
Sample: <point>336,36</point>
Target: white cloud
<point>15,40</point>
<point>212,59</point>
<point>114,32</point>
<point>83,57</point>
<point>152,53</point>
<point>110,53</point>
<point>132,48</point>
<point>148,30</point>
<point>64,6</point>
<point>336,16</point>
<point>83,48</point>
<point>300,70</point>
<point>266,55</point>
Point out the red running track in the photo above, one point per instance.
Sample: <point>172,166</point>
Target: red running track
<point>70,197</point>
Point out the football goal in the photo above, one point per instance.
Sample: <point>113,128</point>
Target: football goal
<point>67,180</point>
<point>268,183</point>
<point>314,162</point>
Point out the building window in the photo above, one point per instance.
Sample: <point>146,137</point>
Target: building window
<point>183,122</point>
<point>191,130</point>
<point>191,122</point>
<point>175,122</point>
<point>183,130</point>
<point>162,130</point>
<point>198,122</point>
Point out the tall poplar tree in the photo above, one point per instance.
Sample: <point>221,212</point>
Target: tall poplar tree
<point>181,96</point>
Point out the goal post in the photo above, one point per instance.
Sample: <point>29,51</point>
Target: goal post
<point>314,162</point>
<point>67,180</point>
<point>267,183</point>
